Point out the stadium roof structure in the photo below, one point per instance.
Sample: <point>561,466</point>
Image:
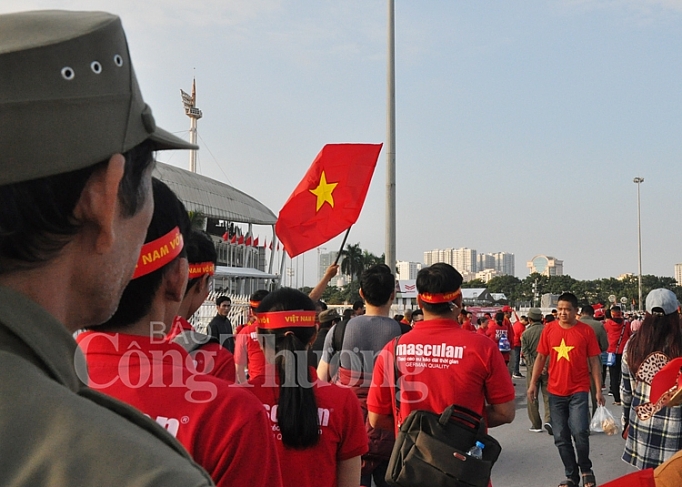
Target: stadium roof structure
<point>213,198</point>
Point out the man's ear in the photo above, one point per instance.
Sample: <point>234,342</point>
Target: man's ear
<point>175,280</point>
<point>362,295</point>
<point>98,203</point>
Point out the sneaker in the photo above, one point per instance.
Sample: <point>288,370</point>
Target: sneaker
<point>549,429</point>
<point>610,393</point>
<point>536,430</point>
<point>518,376</point>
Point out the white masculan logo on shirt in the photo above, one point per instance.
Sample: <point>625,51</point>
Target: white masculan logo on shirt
<point>441,350</point>
<point>322,414</point>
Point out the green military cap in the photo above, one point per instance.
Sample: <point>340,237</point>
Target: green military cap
<point>68,95</point>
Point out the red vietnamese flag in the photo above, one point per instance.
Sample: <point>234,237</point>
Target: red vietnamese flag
<point>233,239</point>
<point>240,241</point>
<point>255,242</point>
<point>329,198</point>
<point>248,241</point>
<point>225,236</point>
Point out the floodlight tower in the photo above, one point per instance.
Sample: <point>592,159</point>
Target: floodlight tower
<point>194,114</point>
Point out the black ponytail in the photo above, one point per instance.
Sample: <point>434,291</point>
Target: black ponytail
<point>297,414</point>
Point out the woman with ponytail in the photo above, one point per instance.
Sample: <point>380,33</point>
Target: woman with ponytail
<point>653,431</point>
<point>318,427</point>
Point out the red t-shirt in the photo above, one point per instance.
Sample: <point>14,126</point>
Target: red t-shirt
<point>247,351</point>
<point>468,326</point>
<point>342,433</point>
<point>440,364</point>
<point>211,358</point>
<point>496,331</point>
<point>613,330</point>
<point>519,328</point>
<point>220,425</point>
<point>568,350</point>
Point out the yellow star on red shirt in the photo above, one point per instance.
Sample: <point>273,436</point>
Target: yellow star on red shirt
<point>324,192</point>
<point>562,351</point>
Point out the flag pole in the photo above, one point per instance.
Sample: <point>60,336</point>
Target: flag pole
<point>345,237</point>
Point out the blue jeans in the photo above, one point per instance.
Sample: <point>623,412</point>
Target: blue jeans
<point>570,417</point>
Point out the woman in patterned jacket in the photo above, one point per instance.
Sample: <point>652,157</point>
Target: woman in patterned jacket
<point>653,431</point>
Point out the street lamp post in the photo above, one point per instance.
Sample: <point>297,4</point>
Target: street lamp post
<point>638,181</point>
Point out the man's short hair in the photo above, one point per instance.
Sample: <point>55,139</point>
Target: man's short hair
<point>569,298</point>
<point>259,295</point>
<point>221,299</point>
<point>169,212</point>
<point>587,310</point>
<point>437,279</point>
<point>377,284</point>
<point>200,249</point>
<point>36,217</point>
<point>358,304</point>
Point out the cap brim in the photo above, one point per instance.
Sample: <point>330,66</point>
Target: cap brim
<point>164,140</point>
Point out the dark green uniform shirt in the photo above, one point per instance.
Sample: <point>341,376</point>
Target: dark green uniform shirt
<point>56,432</point>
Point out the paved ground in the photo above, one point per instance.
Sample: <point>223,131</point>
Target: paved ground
<point>531,459</point>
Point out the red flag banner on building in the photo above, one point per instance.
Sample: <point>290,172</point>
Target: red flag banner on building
<point>329,198</point>
<point>233,240</point>
<point>248,241</point>
<point>240,240</point>
<point>255,242</point>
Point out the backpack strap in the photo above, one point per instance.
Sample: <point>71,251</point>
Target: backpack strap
<point>339,334</point>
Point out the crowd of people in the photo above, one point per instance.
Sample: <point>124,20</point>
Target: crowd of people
<point>300,395</point>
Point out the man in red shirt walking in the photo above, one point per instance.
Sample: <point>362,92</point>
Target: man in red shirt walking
<point>618,332</point>
<point>573,353</point>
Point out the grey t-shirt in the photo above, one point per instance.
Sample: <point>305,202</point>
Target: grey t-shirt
<point>364,338</point>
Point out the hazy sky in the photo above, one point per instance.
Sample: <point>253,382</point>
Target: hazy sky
<point>520,125</point>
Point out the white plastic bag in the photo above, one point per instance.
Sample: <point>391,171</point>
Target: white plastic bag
<point>603,422</point>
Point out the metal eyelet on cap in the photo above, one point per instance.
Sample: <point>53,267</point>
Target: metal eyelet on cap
<point>96,67</point>
<point>68,73</point>
<point>118,60</point>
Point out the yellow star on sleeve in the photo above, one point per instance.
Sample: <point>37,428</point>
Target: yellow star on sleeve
<point>324,192</point>
<point>563,350</point>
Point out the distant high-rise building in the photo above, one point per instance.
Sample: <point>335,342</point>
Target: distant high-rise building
<point>546,265</point>
<point>469,260</point>
<point>678,274</point>
<point>408,270</point>
<point>464,259</point>
<point>326,260</point>
<point>485,261</point>
<point>504,263</point>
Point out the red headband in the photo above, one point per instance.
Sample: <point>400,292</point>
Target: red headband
<point>198,270</point>
<point>254,304</point>
<point>157,253</point>
<point>286,319</point>
<point>438,298</point>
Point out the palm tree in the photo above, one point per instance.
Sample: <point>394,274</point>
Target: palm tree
<point>353,261</point>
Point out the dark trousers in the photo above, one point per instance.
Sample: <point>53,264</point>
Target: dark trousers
<point>615,373</point>
<point>516,360</point>
<point>379,475</point>
<point>571,420</point>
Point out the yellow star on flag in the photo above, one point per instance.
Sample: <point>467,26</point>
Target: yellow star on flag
<point>563,350</point>
<point>324,192</point>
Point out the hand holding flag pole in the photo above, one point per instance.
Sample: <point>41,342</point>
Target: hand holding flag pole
<point>329,198</point>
